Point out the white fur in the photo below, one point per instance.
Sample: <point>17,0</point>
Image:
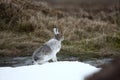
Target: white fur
<point>55,31</point>
<point>55,46</point>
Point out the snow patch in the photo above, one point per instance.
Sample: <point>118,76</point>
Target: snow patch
<point>65,70</point>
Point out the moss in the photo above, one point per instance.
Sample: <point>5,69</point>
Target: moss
<point>114,41</point>
<point>78,55</point>
<point>91,46</point>
<point>68,43</point>
<point>83,45</point>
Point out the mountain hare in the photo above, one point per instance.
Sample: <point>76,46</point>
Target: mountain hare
<point>48,50</point>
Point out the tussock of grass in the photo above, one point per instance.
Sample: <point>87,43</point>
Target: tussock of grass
<point>25,25</point>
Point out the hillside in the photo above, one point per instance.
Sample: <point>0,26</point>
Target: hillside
<point>89,33</point>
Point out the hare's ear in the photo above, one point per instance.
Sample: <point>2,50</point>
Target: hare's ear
<point>55,31</point>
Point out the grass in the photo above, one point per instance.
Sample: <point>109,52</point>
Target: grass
<point>26,25</point>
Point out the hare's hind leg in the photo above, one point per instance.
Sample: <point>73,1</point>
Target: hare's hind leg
<point>38,60</point>
<point>34,63</point>
<point>43,60</point>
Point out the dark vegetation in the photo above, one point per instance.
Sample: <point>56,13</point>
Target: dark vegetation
<point>110,71</point>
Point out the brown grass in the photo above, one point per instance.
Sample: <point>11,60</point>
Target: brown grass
<point>25,25</point>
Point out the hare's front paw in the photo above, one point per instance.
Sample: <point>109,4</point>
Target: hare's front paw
<point>54,59</point>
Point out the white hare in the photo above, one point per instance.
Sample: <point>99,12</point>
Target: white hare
<point>48,50</point>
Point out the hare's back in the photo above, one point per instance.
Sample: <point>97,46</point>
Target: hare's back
<point>43,50</point>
